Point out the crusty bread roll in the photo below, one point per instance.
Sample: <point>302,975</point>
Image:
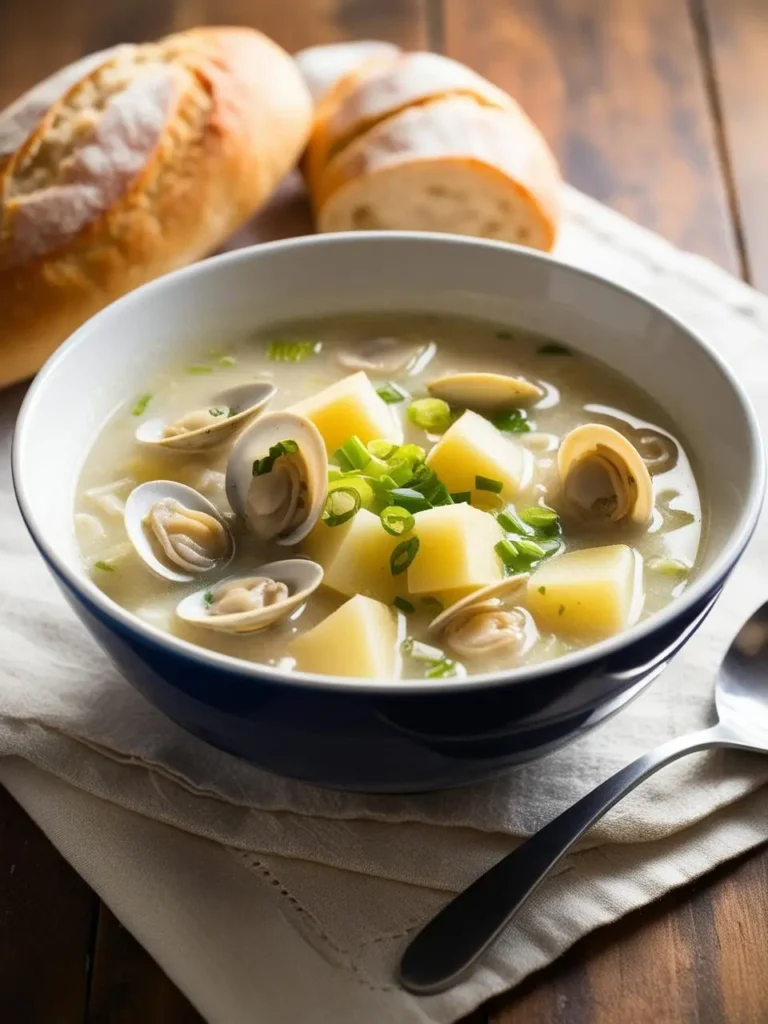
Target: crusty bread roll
<point>322,66</point>
<point>125,167</point>
<point>418,142</point>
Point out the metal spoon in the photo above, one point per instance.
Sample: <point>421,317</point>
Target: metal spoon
<point>452,941</point>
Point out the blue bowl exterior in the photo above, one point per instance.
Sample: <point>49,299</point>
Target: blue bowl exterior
<point>374,742</point>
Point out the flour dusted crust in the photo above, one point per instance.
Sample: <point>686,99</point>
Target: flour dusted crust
<point>323,66</point>
<point>382,87</point>
<point>452,165</point>
<point>141,163</point>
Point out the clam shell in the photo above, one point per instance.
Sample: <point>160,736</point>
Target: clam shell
<point>479,597</point>
<point>614,461</point>
<point>254,444</point>
<point>137,507</point>
<point>301,576</point>
<point>487,391</point>
<point>245,401</point>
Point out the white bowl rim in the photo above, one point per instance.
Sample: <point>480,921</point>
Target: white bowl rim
<point>702,587</point>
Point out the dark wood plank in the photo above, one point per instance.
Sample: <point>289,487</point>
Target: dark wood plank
<point>736,35</point>
<point>47,918</point>
<point>617,88</point>
<point>698,955</point>
<point>128,986</point>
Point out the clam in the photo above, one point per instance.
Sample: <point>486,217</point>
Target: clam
<point>480,624</point>
<point>176,532</point>
<point>603,476</point>
<point>486,391</point>
<point>387,357</point>
<point>212,425</point>
<point>277,477</point>
<point>246,604</point>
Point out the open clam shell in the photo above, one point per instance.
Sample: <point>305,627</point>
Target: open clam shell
<point>502,588</point>
<point>283,503</point>
<point>603,476</point>
<point>479,624</point>
<point>486,391</point>
<point>211,425</point>
<point>176,532</point>
<point>247,604</point>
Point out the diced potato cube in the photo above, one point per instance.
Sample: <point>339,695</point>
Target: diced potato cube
<point>359,639</point>
<point>355,557</point>
<point>350,406</point>
<point>591,593</point>
<point>473,447</point>
<point>456,551</point>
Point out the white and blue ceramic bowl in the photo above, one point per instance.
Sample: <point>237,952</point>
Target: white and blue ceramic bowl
<point>342,732</point>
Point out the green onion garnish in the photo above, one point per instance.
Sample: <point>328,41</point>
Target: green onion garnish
<point>432,414</point>
<point>513,421</point>
<point>381,449</point>
<point>392,393</point>
<point>541,518</point>
<point>262,466</point>
<point>554,349</point>
<point>141,404</point>
<point>291,351</point>
<point>508,553</point>
<point>104,566</point>
<point>208,599</point>
<point>403,555</point>
<point>356,483</point>
<point>341,504</point>
<point>199,368</point>
<point>462,497</point>
<point>512,523</point>
<point>411,648</point>
<point>530,548</point>
<point>404,606</point>
<point>400,472</point>
<point>413,454</point>
<point>355,452</point>
<point>409,499</point>
<point>486,483</point>
<point>227,361</point>
<point>219,410</point>
<point>668,567</point>
<point>441,669</point>
<point>396,520</point>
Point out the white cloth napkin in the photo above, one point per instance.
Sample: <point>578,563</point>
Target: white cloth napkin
<point>326,887</point>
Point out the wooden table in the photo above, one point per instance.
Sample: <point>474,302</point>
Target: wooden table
<point>656,107</point>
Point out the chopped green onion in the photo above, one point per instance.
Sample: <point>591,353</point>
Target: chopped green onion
<point>542,590</point>
<point>509,521</point>
<point>291,351</point>
<point>431,414</point>
<point>513,421</point>
<point>461,497</point>
<point>441,669</point>
<point>355,483</point>
<point>381,449</point>
<point>411,648</point>
<point>485,483</point>
<point>208,599</point>
<point>104,566</point>
<point>439,496</point>
<point>668,566</point>
<point>403,555</point>
<point>219,410</point>
<point>199,368</point>
<point>341,505</point>
<point>409,499</point>
<point>401,472</point>
<point>356,453</point>
<point>396,520</point>
<point>554,349</point>
<point>530,547</point>
<point>262,466</point>
<point>141,404</point>
<point>432,604</point>
<point>541,518</point>
<point>227,361</point>
<point>404,606</point>
<point>508,553</point>
<point>392,393</point>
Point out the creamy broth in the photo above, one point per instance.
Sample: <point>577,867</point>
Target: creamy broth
<point>575,390</point>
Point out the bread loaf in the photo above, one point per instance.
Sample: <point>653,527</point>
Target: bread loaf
<point>131,164</point>
<point>419,142</point>
<point>322,66</point>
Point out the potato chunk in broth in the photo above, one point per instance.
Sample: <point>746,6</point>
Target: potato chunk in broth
<point>487,499</point>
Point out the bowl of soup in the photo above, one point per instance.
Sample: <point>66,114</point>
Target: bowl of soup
<point>388,512</point>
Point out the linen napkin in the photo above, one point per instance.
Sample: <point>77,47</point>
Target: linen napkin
<point>261,881</point>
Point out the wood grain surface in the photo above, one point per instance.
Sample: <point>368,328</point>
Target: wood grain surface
<point>656,107</point>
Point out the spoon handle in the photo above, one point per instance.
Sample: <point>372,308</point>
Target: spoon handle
<point>451,942</point>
